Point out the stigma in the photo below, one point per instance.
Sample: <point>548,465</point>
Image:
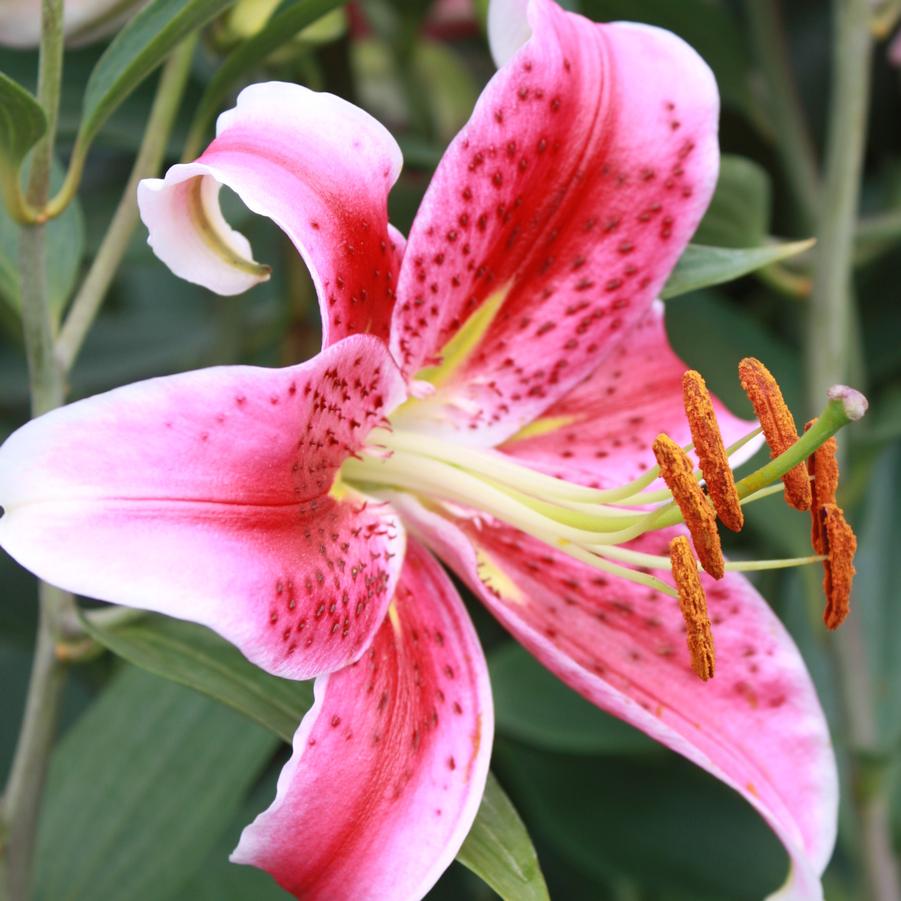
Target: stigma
<point>596,526</point>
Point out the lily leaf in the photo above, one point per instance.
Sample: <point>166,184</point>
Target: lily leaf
<point>136,51</point>
<point>740,210</point>
<point>194,656</point>
<point>141,788</point>
<point>701,266</point>
<point>499,851</point>
<point>22,124</point>
<point>65,248</point>
<point>535,707</point>
<point>498,848</point>
<point>285,23</point>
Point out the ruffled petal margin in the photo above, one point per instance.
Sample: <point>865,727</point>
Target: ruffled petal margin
<point>757,725</point>
<point>206,496</point>
<point>321,169</point>
<point>389,765</point>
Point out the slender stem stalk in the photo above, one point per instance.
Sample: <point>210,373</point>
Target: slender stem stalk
<point>828,356</point>
<point>21,799</point>
<point>793,140</point>
<point>830,314</point>
<point>90,296</point>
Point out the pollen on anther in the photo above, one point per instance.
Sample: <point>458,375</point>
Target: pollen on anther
<point>708,442</point>
<point>678,473</point>
<point>822,467</point>
<point>778,426</point>
<point>693,605</point>
<point>839,545</point>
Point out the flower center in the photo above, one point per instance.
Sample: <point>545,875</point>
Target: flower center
<point>594,525</point>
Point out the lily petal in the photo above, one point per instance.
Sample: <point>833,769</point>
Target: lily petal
<point>321,169</point>
<point>553,219</point>
<point>601,433</point>
<point>205,496</point>
<point>757,725</point>
<point>390,764</point>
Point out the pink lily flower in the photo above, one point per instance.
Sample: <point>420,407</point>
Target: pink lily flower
<point>508,360</point>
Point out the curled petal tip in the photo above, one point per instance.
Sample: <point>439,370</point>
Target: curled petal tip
<point>852,400</point>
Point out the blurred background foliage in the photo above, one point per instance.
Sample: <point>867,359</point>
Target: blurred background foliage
<point>151,782</point>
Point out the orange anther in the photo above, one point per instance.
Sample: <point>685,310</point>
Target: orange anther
<point>840,544</point>
<point>693,605</point>
<point>822,467</point>
<point>778,426</point>
<point>678,473</point>
<point>708,442</point>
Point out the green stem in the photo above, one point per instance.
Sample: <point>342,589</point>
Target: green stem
<point>828,360</point>
<point>830,314</point>
<point>24,789</point>
<point>90,296</point>
<point>792,138</point>
<point>22,796</point>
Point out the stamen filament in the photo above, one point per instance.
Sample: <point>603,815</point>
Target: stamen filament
<point>508,471</point>
<point>416,473</point>
<point>656,561</point>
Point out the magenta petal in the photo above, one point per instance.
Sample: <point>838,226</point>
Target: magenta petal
<point>584,170</point>
<point>600,434</point>
<point>321,168</point>
<point>390,764</point>
<point>757,725</point>
<point>205,496</point>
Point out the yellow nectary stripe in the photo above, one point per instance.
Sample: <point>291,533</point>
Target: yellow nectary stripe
<point>467,337</point>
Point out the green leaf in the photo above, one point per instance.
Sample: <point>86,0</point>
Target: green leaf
<point>136,51</point>
<point>217,879</point>
<point>65,249</point>
<point>740,210</point>
<point>284,24</point>
<point>22,124</point>
<point>535,707</point>
<point>658,821</point>
<point>140,789</point>
<point>194,656</point>
<point>701,266</point>
<point>499,851</point>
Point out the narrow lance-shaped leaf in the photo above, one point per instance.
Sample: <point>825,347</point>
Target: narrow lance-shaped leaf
<point>498,848</point>
<point>194,656</point>
<point>701,267</point>
<point>136,51</point>
<point>140,789</point>
<point>65,247</point>
<point>289,18</point>
<point>499,851</point>
<point>22,124</point>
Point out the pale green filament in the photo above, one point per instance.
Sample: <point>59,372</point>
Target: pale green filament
<point>588,524</point>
